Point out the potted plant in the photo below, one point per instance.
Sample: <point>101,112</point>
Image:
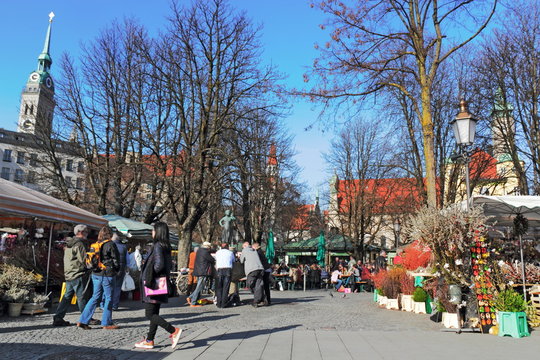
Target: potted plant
<point>35,303</point>
<point>419,300</point>
<point>407,289</point>
<point>15,298</point>
<point>511,314</point>
<point>378,280</point>
<point>391,287</point>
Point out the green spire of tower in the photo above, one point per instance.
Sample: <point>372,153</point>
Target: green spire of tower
<point>44,59</point>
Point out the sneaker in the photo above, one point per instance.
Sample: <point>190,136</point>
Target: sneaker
<point>175,336</point>
<point>83,326</point>
<point>60,322</point>
<point>195,305</point>
<point>111,327</point>
<point>145,344</point>
<point>94,322</point>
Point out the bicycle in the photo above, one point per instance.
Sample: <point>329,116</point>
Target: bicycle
<point>182,281</point>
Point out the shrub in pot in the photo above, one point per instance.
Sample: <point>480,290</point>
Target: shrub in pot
<point>15,298</point>
<point>419,300</point>
<point>511,314</point>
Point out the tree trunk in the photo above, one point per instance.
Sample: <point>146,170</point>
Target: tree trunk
<point>184,247</point>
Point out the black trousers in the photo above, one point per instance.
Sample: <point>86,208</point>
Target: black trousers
<point>266,285</point>
<point>223,282</point>
<point>255,283</point>
<point>152,314</point>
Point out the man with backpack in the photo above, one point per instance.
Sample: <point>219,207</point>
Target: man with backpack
<point>74,270</point>
<point>103,259</point>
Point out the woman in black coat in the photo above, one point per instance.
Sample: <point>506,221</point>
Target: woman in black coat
<point>158,264</point>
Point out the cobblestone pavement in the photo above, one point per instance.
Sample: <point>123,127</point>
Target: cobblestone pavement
<point>311,314</point>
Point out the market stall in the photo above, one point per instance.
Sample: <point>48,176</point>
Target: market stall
<point>19,204</point>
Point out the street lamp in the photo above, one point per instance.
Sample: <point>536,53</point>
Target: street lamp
<point>464,126</point>
<point>397,229</point>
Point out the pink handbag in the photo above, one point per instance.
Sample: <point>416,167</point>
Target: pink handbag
<point>162,288</point>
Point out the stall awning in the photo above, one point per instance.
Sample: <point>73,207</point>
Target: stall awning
<point>26,202</point>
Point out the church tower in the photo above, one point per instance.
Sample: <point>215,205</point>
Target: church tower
<point>37,98</point>
<point>503,127</point>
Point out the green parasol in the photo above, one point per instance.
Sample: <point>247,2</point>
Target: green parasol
<point>270,253</point>
<point>321,249</point>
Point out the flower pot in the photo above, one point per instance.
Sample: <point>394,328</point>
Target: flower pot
<point>513,324</point>
<point>375,295</point>
<point>33,308</point>
<point>450,320</point>
<point>14,309</point>
<point>407,303</point>
<point>392,304</point>
<point>383,300</point>
<point>419,307</point>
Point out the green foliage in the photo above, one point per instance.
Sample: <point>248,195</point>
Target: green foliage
<point>510,301</point>
<point>440,307</point>
<point>420,295</point>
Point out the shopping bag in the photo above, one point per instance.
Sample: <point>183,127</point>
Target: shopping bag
<point>162,287</point>
<point>73,299</point>
<point>128,284</point>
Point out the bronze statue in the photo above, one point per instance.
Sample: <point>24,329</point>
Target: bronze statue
<point>227,231</point>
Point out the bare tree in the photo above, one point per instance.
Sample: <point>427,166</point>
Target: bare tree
<point>377,44</point>
<point>104,99</point>
<point>206,64</point>
<point>359,156</point>
<point>508,77</point>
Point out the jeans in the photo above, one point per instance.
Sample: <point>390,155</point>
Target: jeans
<point>118,281</point>
<point>338,284</point>
<point>73,287</point>
<point>103,286</point>
<point>223,283</point>
<point>151,312</point>
<point>255,283</point>
<point>201,281</point>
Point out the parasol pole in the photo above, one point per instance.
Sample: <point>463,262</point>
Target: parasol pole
<point>522,268</point>
<point>49,258</point>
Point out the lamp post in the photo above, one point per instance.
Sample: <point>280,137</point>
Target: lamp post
<point>397,229</point>
<point>464,126</point>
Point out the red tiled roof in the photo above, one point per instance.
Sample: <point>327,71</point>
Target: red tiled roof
<point>301,220</point>
<point>382,195</point>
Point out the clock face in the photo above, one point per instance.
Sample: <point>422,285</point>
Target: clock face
<point>48,82</point>
<point>27,124</point>
<point>34,77</point>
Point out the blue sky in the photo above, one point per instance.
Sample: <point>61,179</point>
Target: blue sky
<point>290,29</point>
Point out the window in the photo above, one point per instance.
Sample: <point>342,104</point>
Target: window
<point>7,155</point>
<point>79,184</point>
<point>19,176</point>
<point>33,159</point>
<point>20,157</point>
<point>69,182</point>
<point>31,177</point>
<point>69,165</point>
<point>5,173</point>
<point>80,167</point>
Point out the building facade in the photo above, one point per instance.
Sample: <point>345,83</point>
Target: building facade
<point>29,155</point>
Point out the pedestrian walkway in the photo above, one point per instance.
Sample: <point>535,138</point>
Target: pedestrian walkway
<point>299,325</point>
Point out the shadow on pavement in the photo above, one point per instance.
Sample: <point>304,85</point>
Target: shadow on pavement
<point>235,335</point>
<point>282,301</point>
<point>68,352</point>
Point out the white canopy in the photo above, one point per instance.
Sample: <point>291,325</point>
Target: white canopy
<point>505,208</point>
